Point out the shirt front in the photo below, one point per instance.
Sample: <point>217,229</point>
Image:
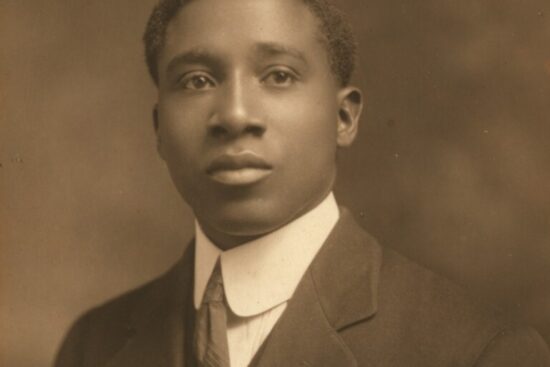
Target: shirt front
<point>260,276</point>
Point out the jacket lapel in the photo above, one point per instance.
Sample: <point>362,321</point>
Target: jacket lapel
<point>338,290</point>
<point>159,321</point>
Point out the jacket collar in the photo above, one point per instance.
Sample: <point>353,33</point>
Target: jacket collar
<point>338,290</point>
<point>346,273</point>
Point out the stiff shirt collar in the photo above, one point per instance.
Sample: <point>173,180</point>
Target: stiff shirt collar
<point>264,273</point>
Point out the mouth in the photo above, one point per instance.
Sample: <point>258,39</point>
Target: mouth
<point>243,168</point>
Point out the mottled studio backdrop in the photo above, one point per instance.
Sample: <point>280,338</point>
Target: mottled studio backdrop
<point>452,166</point>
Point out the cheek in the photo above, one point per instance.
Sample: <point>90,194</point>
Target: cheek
<point>181,132</point>
<point>309,148</point>
<point>309,123</point>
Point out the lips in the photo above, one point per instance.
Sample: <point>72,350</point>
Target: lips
<point>243,168</point>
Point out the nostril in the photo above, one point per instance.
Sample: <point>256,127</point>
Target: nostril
<point>255,130</point>
<point>229,130</point>
<point>217,131</point>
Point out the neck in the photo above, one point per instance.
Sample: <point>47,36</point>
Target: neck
<point>226,241</point>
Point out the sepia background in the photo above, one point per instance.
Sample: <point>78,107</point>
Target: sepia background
<point>451,167</point>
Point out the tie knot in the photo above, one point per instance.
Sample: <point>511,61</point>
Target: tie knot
<point>214,289</point>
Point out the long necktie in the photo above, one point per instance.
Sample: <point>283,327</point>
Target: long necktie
<point>211,325</point>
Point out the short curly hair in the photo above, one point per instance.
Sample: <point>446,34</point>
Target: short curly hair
<point>335,31</point>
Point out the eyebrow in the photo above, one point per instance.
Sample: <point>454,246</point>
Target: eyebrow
<point>201,55</point>
<point>276,49</point>
<point>195,56</point>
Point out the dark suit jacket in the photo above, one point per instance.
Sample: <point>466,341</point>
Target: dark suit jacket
<point>357,305</point>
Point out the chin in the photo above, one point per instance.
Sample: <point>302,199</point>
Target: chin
<point>248,220</point>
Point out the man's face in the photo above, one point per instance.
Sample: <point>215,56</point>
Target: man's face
<point>249,113</point>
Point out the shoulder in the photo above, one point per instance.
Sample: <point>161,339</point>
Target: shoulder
<point>416,317</point>
<point>119,310</point>
<point>428,318</point>
<point>432,304</point>
<point>122,308</point>
<point>102,330</point>
<point>406,286</point>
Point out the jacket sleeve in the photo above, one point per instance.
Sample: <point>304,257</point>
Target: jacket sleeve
<point>515,347</point>
<point>71,352</point>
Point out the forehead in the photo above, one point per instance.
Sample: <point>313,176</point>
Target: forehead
<point>232,25</point>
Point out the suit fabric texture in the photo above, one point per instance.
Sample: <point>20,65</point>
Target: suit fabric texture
<point>358,304</point>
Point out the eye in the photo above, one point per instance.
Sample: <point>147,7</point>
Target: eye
<point>280,78</point>
<point>196,81</point>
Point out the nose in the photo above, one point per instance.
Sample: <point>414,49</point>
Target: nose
<point>235,114</point>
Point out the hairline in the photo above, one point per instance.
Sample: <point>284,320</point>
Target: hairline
<point>180,5</point>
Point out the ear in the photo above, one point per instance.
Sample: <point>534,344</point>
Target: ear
<point>350,100</point>
<point>157,127</point>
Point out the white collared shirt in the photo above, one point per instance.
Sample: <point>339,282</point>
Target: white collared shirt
<point>260,276</point>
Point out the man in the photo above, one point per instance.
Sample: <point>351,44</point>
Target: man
<point>253,104</point>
